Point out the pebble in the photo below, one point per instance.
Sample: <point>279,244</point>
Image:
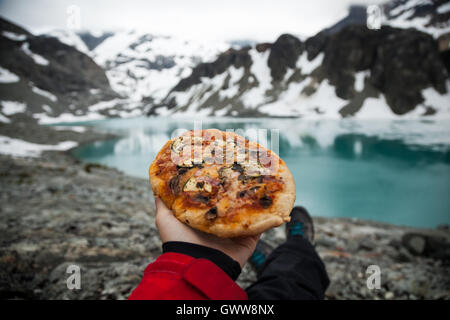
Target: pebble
<point>389,295</point>
<point>109,231</point>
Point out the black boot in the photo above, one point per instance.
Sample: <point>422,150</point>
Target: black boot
<point>301,225</point>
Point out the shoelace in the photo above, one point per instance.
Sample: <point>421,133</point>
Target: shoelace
<point>296,229</point>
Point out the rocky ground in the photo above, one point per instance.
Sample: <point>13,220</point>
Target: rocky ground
<point>57,211</point>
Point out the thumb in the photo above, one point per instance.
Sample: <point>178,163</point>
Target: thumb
<point>162,212</point>
<point>160,206</point>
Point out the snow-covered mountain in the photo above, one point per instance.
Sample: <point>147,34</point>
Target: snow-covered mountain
<point>144,67</point>
<point>340,72</point>
<point>346,70</point>
<point>141,68</point>
<point>42,77</point>
<point>62,75</point>
<point>69,38</point>
<point>429,16</point>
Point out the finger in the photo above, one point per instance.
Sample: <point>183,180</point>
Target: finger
<point>249,238</point>
<point>247,241</point>
<point>158,203</point>
<point>256,238</point>
<point>161,208</point>
<point>164,215</point>
<point>162,212</point>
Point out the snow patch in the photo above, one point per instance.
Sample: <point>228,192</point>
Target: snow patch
<point>288,102</point>
<point>37,58</point>
<point>7,76</point>
<point>130,114</point>
<point>4,119</point>
<point>261,71</point>
<point>112,46</point>
<point>323,103</point>
<point>12,107</point>
<point>408,5</point>
<point>441,102</point>
<point>359,79</point>
<point>14,36</point>
<point>103,105</point>
<point>222,112</point>
<point>230,92</point>
<point>20,148</point>
<point>233,86</point>
<point>374,108</point>
<point>444,8</point>
<point>69,38</point>
<point>79,129</point>
<point>44,93</point>
<point>307,66</point>
<point>47,108</point>
<point>66,117</point>
<point>235,74</point>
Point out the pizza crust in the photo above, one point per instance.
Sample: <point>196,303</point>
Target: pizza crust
<point>249,224</point>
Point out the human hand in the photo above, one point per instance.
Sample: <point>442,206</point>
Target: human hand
<point>171,229</point>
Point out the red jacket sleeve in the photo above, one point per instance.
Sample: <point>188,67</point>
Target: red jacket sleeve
<point>175,276</point>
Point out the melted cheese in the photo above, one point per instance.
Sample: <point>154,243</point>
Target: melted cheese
<point>197,186</point>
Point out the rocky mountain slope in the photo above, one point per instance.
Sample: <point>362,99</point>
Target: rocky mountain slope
<point>429,16</point>
<point>62,76</point>
<point>41,76</point>
<point>143,67</point>
<point>140,69</point>
<point>345,70</point>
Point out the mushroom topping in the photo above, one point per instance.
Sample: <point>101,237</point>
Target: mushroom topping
<point>265,201</point>
<point>254,169</point>
<point>178,145</point>
<point>241,194</point>
<point>211,214</point>
<point>198,186</point>
<point>201,198</point>
<point>186,163</point>
<point>174,184</point>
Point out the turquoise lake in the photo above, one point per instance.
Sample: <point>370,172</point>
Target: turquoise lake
<point>390,171</point>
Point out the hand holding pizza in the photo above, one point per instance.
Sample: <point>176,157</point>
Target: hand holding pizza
<point>222,184</point>
<point>171,229</point>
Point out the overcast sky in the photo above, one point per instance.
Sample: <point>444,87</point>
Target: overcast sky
<point>259,20</point>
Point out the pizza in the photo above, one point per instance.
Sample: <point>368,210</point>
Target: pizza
<point>221,183</point>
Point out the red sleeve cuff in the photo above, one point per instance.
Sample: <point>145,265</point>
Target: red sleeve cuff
<point>189,278</point>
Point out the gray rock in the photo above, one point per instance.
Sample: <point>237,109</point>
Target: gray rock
<point>389,295</point>
<point>326,242</point>
<point>415,243</point>
<point>366,244</point>
<point>89,224</point>
<point>403,255</point>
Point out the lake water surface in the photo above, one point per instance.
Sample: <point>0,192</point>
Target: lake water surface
<point>391,171</point>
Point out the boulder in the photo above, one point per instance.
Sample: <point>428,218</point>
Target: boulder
<point>283,55</point>
<point>428,245</point>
